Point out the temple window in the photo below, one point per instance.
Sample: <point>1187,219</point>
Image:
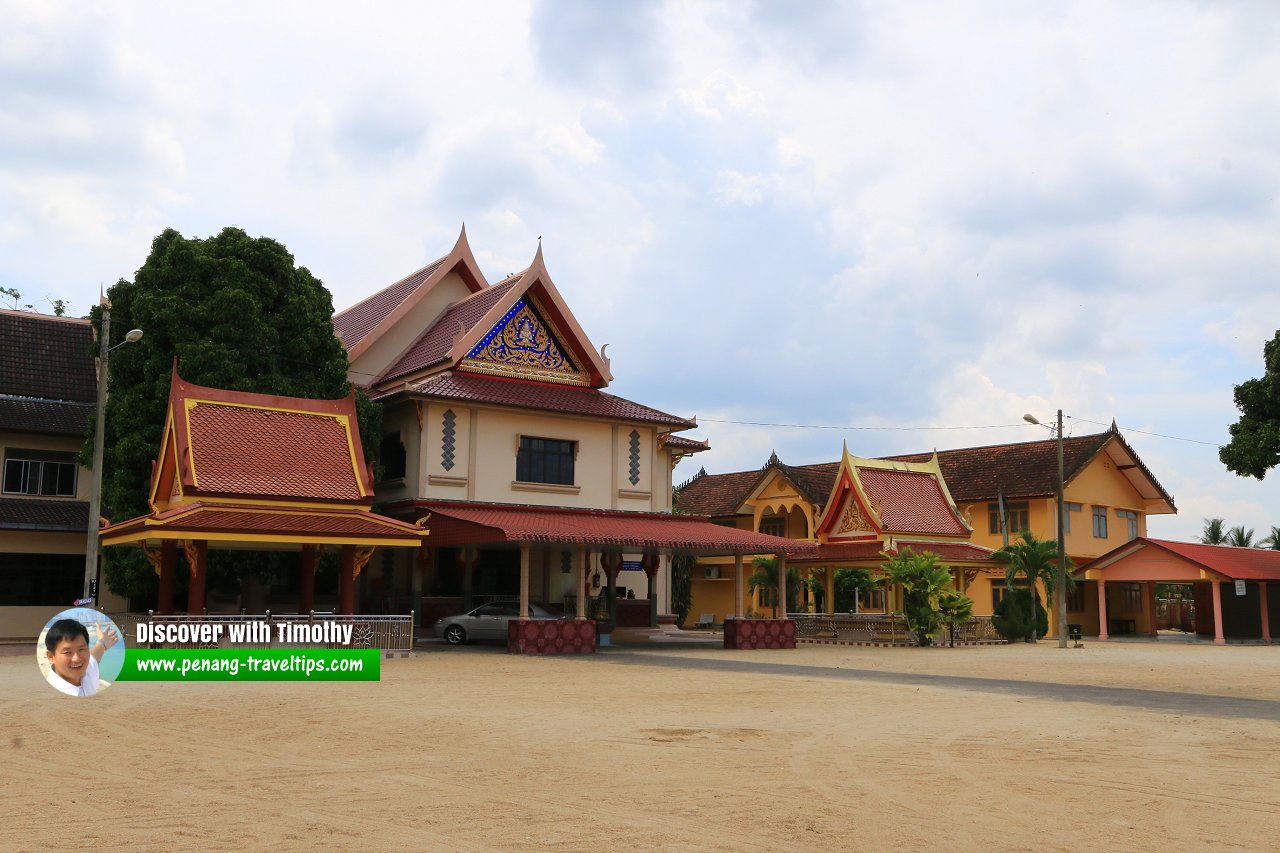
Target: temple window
<point>545,460</point>
<point>40,472</point>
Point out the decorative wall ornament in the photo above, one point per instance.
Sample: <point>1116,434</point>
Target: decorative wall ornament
<point>523,344</point>
<point>448,439</point>
<point>853,518</point>
<point>633,468</point>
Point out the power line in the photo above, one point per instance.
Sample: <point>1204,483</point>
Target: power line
<point>1148,432</point>
<point>864,428</point>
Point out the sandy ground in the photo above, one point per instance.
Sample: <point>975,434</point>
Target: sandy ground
<point>1117,747</point>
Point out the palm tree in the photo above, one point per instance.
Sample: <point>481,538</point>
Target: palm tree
<point>1238,537</point>
<point>766,576</point>
<point>1035,560</point>
<point>1272,541</point>
<point>1215,532</point>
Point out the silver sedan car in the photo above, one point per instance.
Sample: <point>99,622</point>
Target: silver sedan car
<point>488,621</point>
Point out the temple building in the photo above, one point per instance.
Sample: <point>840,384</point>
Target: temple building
<point>996,491</point>
<point>500,439</point>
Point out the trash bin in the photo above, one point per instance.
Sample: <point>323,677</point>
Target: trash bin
<point>1075,632</point>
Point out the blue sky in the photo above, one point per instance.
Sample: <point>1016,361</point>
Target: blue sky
<point>916,219</point>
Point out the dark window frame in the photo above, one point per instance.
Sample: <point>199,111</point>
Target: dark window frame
<point>547,461</point>
<point>1100,522</point>
<point>40,473</point>
<point>1015,511</point>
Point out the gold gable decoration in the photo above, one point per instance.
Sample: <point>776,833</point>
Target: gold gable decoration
<point>523,345</point>
<point>853,520</point>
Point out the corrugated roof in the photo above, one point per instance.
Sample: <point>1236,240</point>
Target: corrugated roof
<point>352,324</point>
<point>536,395</point>
<point>433,346</point>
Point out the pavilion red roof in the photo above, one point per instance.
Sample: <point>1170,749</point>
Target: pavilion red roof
<point>522,394</point>
<point>947,550</point>
<point>454,524</point>
<point>244,522</point>
<point>910,501</point>
<point>239,444</point>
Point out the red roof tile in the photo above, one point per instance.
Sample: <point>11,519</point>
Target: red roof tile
<point>1234,563</point>
<point>537,395</point>
<point>433,346</point>
<point>868,550</point>
<point>681,442</point>
<point>715,495</point>
<point>352,324</point>
<point>324,525</point>
<point>249,451</point>
<point>454,524</point>
<point>910,502</point>
<point>44,514</point>
<point>948,550</point>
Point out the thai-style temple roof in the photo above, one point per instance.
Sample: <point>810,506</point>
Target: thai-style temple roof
<point>565,399</point>
<point>261,471</point>
<point>48,376</point>
<point>433,347</point>
<point>874,498</point>
<point>237,444</point>
<point>353,324</point>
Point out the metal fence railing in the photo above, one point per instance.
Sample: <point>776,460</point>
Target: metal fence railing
<point>390,634</point>
<point>887,628</point>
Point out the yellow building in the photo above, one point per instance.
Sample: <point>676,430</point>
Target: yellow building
<point>1109,494</point>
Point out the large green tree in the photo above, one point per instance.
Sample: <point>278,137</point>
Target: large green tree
<point>1254,448</point>
<point>237,313</point>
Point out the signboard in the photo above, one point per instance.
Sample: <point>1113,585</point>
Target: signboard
<point>1239,587</point>
<point>631,566</point>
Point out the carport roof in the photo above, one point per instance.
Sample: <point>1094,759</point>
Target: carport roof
<point>1249,564</point>
<point>455,524</point>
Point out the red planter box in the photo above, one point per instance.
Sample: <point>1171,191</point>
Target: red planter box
<point>551,636</point>
<point>759,633</point>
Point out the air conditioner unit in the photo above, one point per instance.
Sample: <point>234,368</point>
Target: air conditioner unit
<point>711,572</point>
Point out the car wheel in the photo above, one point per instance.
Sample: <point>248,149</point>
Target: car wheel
<point>455,635</point>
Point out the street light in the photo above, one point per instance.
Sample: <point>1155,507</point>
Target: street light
<point>1060,577</point>
<point>95,499</point>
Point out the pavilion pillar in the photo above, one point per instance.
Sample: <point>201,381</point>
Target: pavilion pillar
<point>650,563</point>
<point>782,586</point>
<point>307,578</point>
<point>347,581</point>
<point>739,587</point>
<point>467,558</point>
<point>611,563</point>
<point>524,580</point>
<point>1218,638</point>
<point>1266,620</point>
<point>1154,628</point>
<point>198,559</point>
<point>831,590</point>
<point>1102,609</point>
<point>580,581</point>
<point>168,560</point>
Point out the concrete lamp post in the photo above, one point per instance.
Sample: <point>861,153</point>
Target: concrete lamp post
<point>1060,576</point>
<point>95,499</point>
